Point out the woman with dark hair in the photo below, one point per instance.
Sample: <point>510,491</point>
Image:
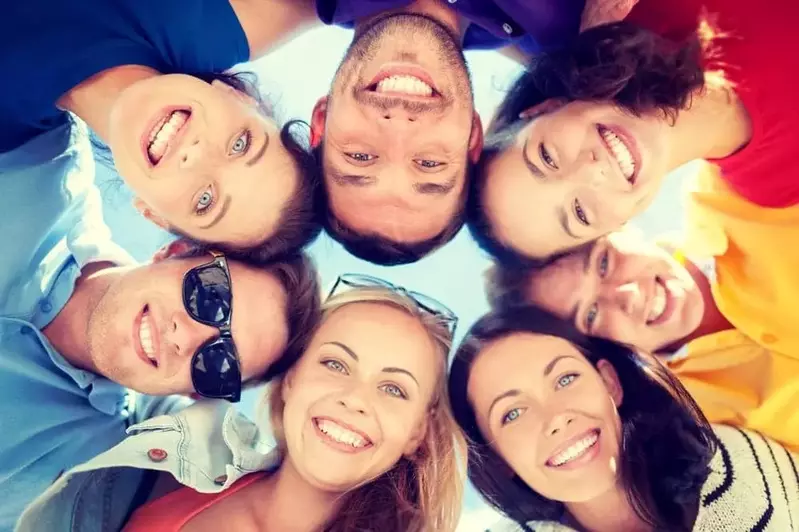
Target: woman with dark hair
<point>202,153</point>
<point>587,434</point>
<point>586,135</point>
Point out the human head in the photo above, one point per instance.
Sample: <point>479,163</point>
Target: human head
<point>619,287</point>
<point>273,308</point>
<point>581,142</point>
<point>226,173</point>
<point>653,442</point>
<point>409,477</point>
<point>395,139</point>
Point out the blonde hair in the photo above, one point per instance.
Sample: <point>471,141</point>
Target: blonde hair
<point>416,495</point>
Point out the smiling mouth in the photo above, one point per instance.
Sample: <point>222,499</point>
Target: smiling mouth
<point>163,134</point>
<point>660,302</point>
<point>339,434</point>
<point>620,151</point>
<point>575,451</point>
<point>145,335</point>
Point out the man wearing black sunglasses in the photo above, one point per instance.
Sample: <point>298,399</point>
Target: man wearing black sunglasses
<point>75,340</point>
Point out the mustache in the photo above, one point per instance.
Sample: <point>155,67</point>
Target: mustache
<point>388,103</point>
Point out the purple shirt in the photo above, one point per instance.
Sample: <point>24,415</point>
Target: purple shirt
<point>533,25</point>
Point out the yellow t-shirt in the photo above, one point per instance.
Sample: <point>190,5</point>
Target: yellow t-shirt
<point>748,376</point>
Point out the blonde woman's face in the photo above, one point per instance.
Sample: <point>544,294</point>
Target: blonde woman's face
<point>359,398</point>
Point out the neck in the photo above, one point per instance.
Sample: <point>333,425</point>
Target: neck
<point>68,332</point>
<point>436,9</point>
<point>94,98</point>
<point>607,513</point>
<point>715,126</point>
<point>285,501</point>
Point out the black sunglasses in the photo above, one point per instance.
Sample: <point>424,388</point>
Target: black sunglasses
<point>215,367</point>
<point>424,302</point>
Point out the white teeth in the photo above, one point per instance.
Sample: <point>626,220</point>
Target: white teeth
<point>405,85</point>
<point>163,133</point>
<point>340,434</point>
<point>146,337</point>
<point>658,303</point>
<point>575,451</point>
<point>620,152</point>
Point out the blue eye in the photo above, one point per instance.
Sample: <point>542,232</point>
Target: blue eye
<point>205,201</point>
<point>394,391</point>
<point>511,416</point>
<point>590,317</point>
<point>603,264</point>
<point>565,380</point>
<point>242,144</point>
<point>335,365</point>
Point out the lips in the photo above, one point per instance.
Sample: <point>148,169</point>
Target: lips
<point>575,450</point>
<point>341,436</point>
<point>662,303</point>
<point>146,338</point>
<point>163,134</point>
<point>408,81</point>
<point>622,149</point>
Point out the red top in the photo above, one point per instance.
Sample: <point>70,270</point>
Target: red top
<point>171,512</point>
<point>760,56</point>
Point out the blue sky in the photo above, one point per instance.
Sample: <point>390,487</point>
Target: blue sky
<point>293,78</point>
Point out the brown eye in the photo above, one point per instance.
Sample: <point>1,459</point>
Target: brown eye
<point>361,157</point>
<point>546,158</point>
<point>590,317</point>
<point>580,213</point>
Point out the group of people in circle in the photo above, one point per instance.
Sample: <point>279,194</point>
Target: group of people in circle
<point>615,384</point>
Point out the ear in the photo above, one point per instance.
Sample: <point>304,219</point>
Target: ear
<point>145,211</point>
<point>318,120</point>
<point>174,248</point>
<point>611,379</point>
<point>547,106</point>
<point>476,139</point>
<point>418,435</point>
<point>241,96</point>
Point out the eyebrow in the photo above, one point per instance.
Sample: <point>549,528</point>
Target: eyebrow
<point>220,212</point>
<point>530,166</point>
<point>549,367</point>
<point>500,397</point>
<point>351,179</point>
<point>351,353</point>
<point>260,153</point>
<point>438,189</point>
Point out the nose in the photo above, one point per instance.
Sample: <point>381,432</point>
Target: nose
<point>187,335</point>
<point>354,399</point>
<point>558,422</point>
<point>397,116</point>
<point>190,153</point>
<point>628,296</point>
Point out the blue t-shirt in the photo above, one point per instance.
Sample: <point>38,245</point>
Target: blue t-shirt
<point>532,25</point>
<point>49,47</point>
<point>53,415</point>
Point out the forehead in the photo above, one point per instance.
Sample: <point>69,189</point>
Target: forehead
<point>557,287</point>
<point>258,323</point>
<point>383,335</point>
<point>525,213</point>
<point>512,361</point>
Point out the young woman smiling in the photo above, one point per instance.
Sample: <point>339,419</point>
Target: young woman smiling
<point>365,439</point>
<point>577,433</point>
<point>585,137</point>
<point>202,155</point>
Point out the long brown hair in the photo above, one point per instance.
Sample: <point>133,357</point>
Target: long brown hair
<point>417,495</point>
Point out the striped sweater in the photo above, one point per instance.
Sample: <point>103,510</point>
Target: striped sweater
<point>753,487</point>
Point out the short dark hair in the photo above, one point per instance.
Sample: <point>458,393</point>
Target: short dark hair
<point>298,276</point>
<point>630,66</point>
<point>299,222</point>
<point>378,249</point>
<point>667,443</point>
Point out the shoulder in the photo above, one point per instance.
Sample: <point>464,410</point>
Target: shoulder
<point>752,485</point>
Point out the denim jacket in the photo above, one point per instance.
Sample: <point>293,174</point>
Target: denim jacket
<point>207,446</point>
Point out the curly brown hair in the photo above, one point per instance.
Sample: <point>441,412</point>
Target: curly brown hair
<point>632,67</point>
